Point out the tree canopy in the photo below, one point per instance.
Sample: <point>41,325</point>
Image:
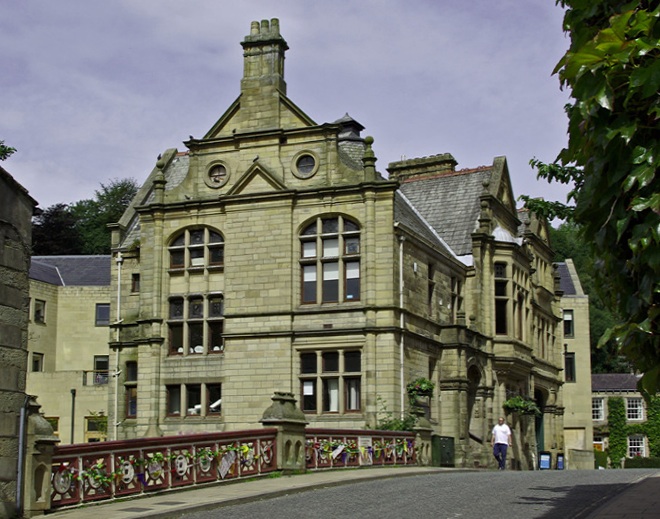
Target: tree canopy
<point>612,69</point>
<point>6,151</point>
<point>82,227</point>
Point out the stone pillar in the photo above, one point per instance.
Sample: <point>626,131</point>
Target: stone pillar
<point>423,433</point>
<point>290,423</point>
<point>39,448</point>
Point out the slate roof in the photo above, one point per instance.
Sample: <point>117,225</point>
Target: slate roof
<point>614,381</point>
<point>449,201</point>
<point>72,270</point>
<point>407,215</point>
<point>565,280</point>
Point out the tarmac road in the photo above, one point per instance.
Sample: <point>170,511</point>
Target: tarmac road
<point>452,495</point>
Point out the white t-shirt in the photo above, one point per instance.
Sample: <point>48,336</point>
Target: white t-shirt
<point>501,433</point>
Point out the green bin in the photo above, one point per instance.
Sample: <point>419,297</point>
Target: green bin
<point>442,451</point>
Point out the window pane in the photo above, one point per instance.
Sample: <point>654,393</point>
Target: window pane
<point>214,237</point>
<point>197,257</point>
<point>568,323</point>
<point>500,288</point>
<point>308,392</point>
<point>352,280</point>
<point>331,395</point>
<point>176,308</point>
<point>102,314</point>
<point>569,367</point>
<point>176,338</point>
<point>500,270</point>
<point>216,255</point>
<point>214,398</point>
<point>37,362</point>
<point>352,387</point>
<point>309,230</point>
<point>197,237</point>
<point>352,246</point>
<point>174,400</point>
<point>39,311</point>
<point>350,226</point>
<point>177,259</point>
<point>331,361</point>
<point>330,225</point>
<point>131,402</point>
<point>216,343</point>
<point>196,308</point>
<point>131,371</point>
<point>194,399</point>
<point>309,249</point>
<point>308,363</point>
<point>330,282</point>
<point>331,248</point>
<point>352,361</point>
<point>309,284</point>
<point>216,306</point>
<point>196,333</point>
<point>135,282</point>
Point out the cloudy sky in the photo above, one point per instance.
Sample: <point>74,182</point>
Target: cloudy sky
<point>94,91</point>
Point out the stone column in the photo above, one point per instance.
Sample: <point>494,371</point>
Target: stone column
<point>423,433</point>
<point>290,423</point>
<point>40,446</point>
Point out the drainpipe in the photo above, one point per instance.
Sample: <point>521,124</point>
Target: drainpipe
<point>73,413</point>
<point>119,260</point>
<point>401,323</point>
<point>22,432</point>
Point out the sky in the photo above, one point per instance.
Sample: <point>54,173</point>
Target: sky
<point>94,91</point>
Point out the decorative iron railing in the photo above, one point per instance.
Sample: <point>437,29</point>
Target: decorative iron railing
<point>338,448</point>
<point>96,471</point>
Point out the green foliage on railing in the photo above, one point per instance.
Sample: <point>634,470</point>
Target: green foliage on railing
<point>618,437</point>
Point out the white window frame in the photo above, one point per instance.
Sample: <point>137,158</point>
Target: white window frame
<point>634,409</point>
<point>598,409</point>
<point>636,446</point>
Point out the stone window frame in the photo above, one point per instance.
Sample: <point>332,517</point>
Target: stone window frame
<point>328,385</point>
<point>39,311</point>
<point>598,409</point>
<point>569,367</point>
<point>198,399</point>
<point>102,314</point>
<point>184,323</point>
<point>635,409</point>
<point>568,316</point>
<point>301,173</point>
<point>330,260</point>
<point>37,361</point>
<point>130,389</point>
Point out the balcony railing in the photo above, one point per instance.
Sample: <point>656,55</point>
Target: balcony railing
<point>95,378</point>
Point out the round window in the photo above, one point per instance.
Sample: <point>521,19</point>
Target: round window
<point>305,164</point>
<point>217,175</point>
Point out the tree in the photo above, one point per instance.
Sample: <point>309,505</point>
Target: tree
<point>6,151</point>
<point>54,232</point>
<point>93,216</point>
<point>566,243</point>
<point>612,69</point>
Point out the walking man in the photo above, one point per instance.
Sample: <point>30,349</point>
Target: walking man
<point>500,441</point>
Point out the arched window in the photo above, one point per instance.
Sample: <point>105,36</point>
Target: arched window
<point>330,260</point>
<point>197,249</point>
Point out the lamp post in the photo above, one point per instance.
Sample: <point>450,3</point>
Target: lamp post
<point>73,413</point>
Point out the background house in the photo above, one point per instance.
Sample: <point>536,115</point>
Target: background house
<point>578,425</point>
<point>68,348</point>
<point>271,255</point>
<point>606,386</point>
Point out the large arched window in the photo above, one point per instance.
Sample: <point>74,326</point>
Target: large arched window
<point>196,249</point>
<point>330,260</point>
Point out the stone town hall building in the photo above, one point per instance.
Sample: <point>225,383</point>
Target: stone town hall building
<point>271,255</point>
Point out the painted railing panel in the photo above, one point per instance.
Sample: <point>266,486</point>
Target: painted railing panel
<point>338,448</point>
<point>97,471</point>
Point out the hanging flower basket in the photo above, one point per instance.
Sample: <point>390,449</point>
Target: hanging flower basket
<point>420,387</point>
<point>522,405</point>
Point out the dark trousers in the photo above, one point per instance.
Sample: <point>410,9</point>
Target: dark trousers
<point>499,451</point>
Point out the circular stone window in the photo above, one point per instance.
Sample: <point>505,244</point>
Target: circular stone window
<point>217,175</point>
<point>305,164</point>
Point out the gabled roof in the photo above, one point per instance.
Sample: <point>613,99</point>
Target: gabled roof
<point>614,381</point>
<point>72,270</point>
<point>449,201</point>
<point>565,280</point>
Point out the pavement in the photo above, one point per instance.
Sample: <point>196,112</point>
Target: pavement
<point>639,500</point>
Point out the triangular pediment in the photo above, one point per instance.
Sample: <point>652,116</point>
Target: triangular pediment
<point>502,184</point>
<point>235,121</point>
<point>257,179</point>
